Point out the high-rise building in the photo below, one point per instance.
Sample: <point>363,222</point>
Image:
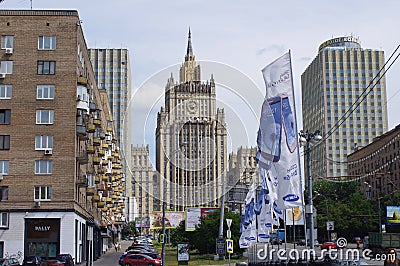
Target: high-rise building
<point>337,78</point>
<point>243,166</point>
<point>60,183</point>
<point>190,140</point>
<point>113,74</point>
<point>145,184</point>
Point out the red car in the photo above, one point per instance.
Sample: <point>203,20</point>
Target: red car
<point>329,245</point>
<point>140,259</point>
<point>51,263</point>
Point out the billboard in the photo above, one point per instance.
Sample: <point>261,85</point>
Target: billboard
<point>393,215</point>
<point>193,216</point>
<point>183,252</point>
<point>142,222</point>
<point>294,216</point>
<point>172,219</point>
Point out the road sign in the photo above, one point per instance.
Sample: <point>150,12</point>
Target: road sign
<point>330,226</point>
<point>220,246</point>
<point>229,245</point>
<point>228,234</point>
<point>229,222</point>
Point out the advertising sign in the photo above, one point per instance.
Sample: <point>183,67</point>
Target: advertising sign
<point>172,219</point>
<point>183,252</point>
<point>193,216</point>
<point>393,215</point>
<point>295,216</point>
<point>220,246</point>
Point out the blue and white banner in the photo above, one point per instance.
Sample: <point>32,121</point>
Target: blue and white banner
<point>277,137</point>
<point>248,225</point>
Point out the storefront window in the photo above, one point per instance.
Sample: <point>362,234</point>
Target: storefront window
<point>42,237</point>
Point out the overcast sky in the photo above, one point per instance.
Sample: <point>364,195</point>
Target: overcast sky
<point>244,35</point>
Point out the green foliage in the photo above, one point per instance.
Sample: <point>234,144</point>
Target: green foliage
<point>204,237</point>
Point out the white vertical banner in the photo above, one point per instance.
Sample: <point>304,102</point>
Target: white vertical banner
<point>277,138</point>
<point>248,224</point>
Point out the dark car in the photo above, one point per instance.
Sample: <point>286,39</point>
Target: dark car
<point>51,263</point>
<point>66,258</point>
<point>32,260</point>
<point>301,242</point>
<point>140,259</point>
<point>276,241</point>
<point>9,262</point>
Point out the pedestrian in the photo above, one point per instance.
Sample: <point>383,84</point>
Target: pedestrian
<point>116,246</point>
<point>391,258</point>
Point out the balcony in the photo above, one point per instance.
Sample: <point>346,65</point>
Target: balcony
<point>81,132</point>
<point>108,200</point>
<point>101,152</point>
<point>82,157</point>
<point>104,162</point>
<point>82,81</point>
<point>96,121</point>
<point>96,179</point>
<point>101,204</point>
<point>90,191</point>
<point>96,141</point>
<point>91,128</point>
<point>96,160</point>
<point>90,149</point>
<point>104,177</point>
<point>96,198</point>
<point>104,146</point>
<point>109,129</point>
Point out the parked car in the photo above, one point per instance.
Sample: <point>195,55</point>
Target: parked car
<point>32,260</point>
<point>301,242</point>
<point>140,259</point>
<point>276,241</point>
<point>352,263</point>
<point>66,258</point>
<point>9,262</point>
<point>329,245</point>
<point>51,263</point>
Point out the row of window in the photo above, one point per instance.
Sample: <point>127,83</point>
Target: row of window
<point>40,193</point>
<point>41,167</point>
<point>42,117</point>
<point>44,42</point>
<point>43,67</point>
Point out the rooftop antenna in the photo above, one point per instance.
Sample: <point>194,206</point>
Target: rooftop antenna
<point>31,4</point>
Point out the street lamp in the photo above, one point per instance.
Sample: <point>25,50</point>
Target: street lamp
<point>379,204</point>
<point>308,139</point>
<point>327,211</point>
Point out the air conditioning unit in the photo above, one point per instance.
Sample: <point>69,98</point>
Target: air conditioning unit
<point>9,50</point>
<point>2,75</point>
<point>37,203</point>
<point>48,151</point>
<point>1,177</point>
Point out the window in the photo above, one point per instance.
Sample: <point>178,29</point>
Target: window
<point>7,42</point>
<point>90,180</point>
<point>5,115</point>
<point>3,219</point>
<point>45,92</point>
<point>42,192</point>
<point>6,67</point>
<point>43,142</point>
<point>5,91</point>
<point>4,142</point>
<point>47,43</point>
<point>4,165</point>
<point>43,166</point>
<point>46,67</point>
<point>44,116</point>
<point>3,193</point>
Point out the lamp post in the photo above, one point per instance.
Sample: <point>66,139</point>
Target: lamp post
<point>327,211</point>
<point>379,204</point>
<point>307,139</point>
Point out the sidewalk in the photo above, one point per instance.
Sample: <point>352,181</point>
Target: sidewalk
<point>111,257</point>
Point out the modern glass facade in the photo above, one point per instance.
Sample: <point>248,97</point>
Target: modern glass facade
<point>341,75</point>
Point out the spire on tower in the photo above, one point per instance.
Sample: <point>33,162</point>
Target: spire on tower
<point>189,51</point>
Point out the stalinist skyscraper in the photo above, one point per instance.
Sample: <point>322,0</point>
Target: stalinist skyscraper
<point>190,140</point>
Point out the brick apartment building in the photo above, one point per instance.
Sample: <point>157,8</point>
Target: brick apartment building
<point>377,165</point>
<point>60,175</point>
